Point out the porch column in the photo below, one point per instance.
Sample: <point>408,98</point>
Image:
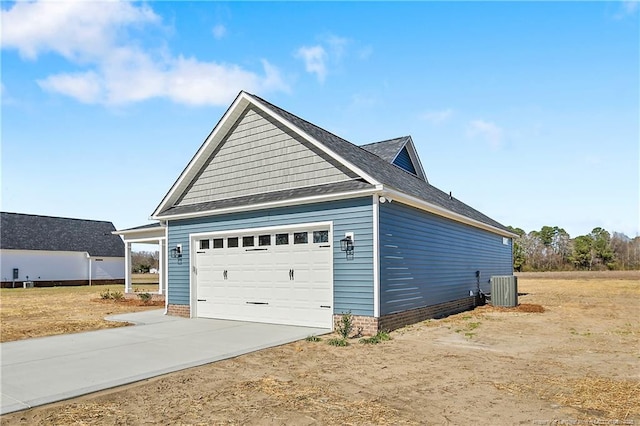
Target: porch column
<point>161,266</point>
<point>127,265</point>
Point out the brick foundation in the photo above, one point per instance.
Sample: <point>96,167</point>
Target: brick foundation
<point>400,319</point>
<point>371,325</point>
<point>179,310</point>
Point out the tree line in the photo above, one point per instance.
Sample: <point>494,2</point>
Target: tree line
<point>552,249</point>
<point>143,261</point>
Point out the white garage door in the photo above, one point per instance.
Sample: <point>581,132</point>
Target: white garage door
<point>280,276</point>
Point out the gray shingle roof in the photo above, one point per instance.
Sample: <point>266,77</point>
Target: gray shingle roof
<point>383,171</point>
<point>387,150</point>
<point>31,232</point>
<point>288,194</point>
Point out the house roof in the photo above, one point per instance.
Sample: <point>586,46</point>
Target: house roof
<point>372,162</point>
<point>388,149</point>
<point>385,172</point>
<point>31,232</point>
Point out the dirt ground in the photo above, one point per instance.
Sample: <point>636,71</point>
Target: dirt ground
<point>577,362</point>
<point>37,312</point>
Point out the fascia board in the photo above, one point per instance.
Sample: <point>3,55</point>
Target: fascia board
<point>441,211</point>
<point>316,143</point>
<point>411,148</point>
<point>210,143</point>
<point>141,232</point>
<point>274,204</point>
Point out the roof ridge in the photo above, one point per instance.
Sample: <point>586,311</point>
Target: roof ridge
<point>386,140</point>
<point>360,147</point>
<point>56,217</point>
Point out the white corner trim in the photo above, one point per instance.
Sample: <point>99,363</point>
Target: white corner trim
<point>441,211</point>
<point>376,257</point>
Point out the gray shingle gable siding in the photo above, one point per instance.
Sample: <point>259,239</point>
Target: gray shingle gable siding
<point>31,232</point>
<point>383,171</point>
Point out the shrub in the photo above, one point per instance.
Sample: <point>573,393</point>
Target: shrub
<point>117,295</point>
<point>313,338</point>
<point>145,297</point>
<point>381,336</point>
<point>105,294</point>
<point>338,342</point>
<point>345,325</point>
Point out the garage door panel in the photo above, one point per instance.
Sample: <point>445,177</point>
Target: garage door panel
<point>279,283</point>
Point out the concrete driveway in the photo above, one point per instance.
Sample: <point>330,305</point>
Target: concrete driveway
<point>49,369</point>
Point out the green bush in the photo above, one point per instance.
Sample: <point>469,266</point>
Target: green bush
<point>145,297</point>
<point>381,336</point>
<point>345,325</point>
<point>338,342</point>
<point>105,294</point>
<point>117,295</point>
<point>312,338</point>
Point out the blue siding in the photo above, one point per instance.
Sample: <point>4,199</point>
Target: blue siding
<point>353,279</point>
<point>403,160</point>
<point>426,259</point>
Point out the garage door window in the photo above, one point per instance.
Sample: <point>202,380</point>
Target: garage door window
<point>320,237</point>
<point>217,243</point>
<point>232,242</point>
<point>282,239</point>
<point>300,238</point>
<point>247,241</point>
<point>264,240</point>
<point>204,244</point>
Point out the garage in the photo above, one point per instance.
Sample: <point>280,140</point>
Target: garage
<point>271,275</point>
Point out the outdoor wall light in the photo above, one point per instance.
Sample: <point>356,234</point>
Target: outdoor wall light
<point>346,245</point>
<point>176,252</point>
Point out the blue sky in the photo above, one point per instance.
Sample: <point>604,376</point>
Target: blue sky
<point>528,112</point>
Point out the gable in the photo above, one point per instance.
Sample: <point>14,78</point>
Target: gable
<point>403,160</point>
<point>259,155</point>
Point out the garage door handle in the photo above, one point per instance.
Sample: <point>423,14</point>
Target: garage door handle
<point>202,300</point>
<point>257,303</point>
<point>325,246</point>
<point>325,306</point>
<point>224,274</point>
<point>256,249</point>
<point>291,272</point>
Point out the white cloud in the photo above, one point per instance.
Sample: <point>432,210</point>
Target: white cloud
<point>85,87</point>
<point>219,31</point>
<point>338,45</point>
<point>437,117</point>
<point>73,29</point>
<point>487,131</point>
<point>314,58</point>
<point>114,68</point>
<point>327,56</point>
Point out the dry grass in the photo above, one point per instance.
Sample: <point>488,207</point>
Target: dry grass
<point>144,279</point>
<point>38,312</point>
<point>595,396</point>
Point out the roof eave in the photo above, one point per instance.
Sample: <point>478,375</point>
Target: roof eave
<point>418,203</point>
<point>274,204</point>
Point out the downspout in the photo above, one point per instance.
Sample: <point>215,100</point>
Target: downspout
<point>89,258</point>
<point>165,271</point>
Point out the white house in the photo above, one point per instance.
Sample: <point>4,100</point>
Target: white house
<point>52,251</point>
